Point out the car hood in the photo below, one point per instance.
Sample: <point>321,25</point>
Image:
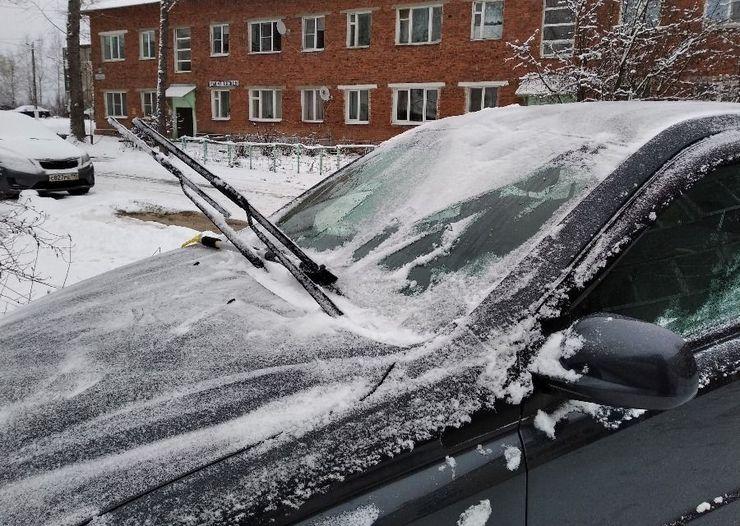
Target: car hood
<point>124,382</point>
<point>51,147</point>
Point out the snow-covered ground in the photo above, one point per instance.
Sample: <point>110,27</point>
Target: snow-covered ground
<point>92,239</point>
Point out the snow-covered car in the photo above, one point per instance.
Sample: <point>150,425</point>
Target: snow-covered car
<point>34,157</point>
<point>33,111</point>
<point>541,326</point>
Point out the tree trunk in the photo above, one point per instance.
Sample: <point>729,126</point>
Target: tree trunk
<point>74,69</point>
<point>164,36</point>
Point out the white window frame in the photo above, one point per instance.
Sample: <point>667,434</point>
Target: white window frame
<point>436,86</point>
<point>493,84</point>
<point>222,25</point>
<point>143,46</point>
<point>545,9</point>
<point>273,29</point>
<point>255,93</point>
<point>216,104</point>
<point>122,102</point>
<point>317,103</point>
<point>411,9</point>
<point>357,88</point>
<point>120,37</point>
<point>176,49</point>
<point>354,44</point>
<point>727,22</point>
<point>143,95</point>
<point>484,3</point>
<point>623,13</point>
<point>304,21</point>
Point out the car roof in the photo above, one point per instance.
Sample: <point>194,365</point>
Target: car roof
<point>137,376</point>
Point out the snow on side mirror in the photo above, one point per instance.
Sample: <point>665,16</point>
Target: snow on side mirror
<point>621,362</point>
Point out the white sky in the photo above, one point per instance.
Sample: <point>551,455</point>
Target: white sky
<point>19,23</point>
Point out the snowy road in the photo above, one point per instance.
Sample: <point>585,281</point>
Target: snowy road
<point>92,239</point>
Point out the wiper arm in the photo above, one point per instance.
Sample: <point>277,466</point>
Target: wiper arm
<point>203,201</point>
<point>318,273</point>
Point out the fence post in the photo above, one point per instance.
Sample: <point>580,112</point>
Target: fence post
<point>229,148</point>
<point>184,143</point>
<point>298,154</point>
<point>339,153</point>
<point>274,159</point>
<point>250,156</point>
<point>205,150</point>
<point>321,161</point>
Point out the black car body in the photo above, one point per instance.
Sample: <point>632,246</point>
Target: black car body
<point>32,157</point>
<point>460,388</point>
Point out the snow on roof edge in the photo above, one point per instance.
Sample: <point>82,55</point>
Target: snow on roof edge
<point>115,4</point>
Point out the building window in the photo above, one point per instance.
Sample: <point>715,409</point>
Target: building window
<point>723,11</point>
<point>419,25</point>
<point>480,97</point>
<point>558,26</point>
<point>265,37</point>
<point>115,104</point>
<point>357,110</point>
<point>147,44</point>
<point>358,29</point>
<point>313,33</point>
<point>219,40</point>
<point>148,103</point>
<point>488,20</point>
<point>312,105</point>
<point>415,105</point>
<point>113,47</point>
<point>183,55</point>
<point>220,105</point>
<point>265,105</point>
<point>645,12</point>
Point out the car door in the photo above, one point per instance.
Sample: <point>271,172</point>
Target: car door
<point>591,464</point>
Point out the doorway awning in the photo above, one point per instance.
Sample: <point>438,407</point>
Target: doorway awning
<point>179,90</point>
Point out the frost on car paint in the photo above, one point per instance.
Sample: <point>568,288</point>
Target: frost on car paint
<point>362,516</point>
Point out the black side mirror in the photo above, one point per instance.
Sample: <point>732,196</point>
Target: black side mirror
<point>625,362</point>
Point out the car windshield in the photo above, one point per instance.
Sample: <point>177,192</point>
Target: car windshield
<point>423,235</point>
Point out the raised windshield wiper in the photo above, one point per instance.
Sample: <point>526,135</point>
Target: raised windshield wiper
<point>309,274</point>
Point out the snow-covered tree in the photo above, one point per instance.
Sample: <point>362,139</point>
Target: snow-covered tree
<point>630,49</point>
<point>165,6</point>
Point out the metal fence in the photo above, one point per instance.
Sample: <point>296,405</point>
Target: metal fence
<point>275,156</point>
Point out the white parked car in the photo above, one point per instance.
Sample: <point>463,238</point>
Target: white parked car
<point>33,157</point>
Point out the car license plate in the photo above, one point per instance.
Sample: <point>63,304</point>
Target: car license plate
<point>72,176</point>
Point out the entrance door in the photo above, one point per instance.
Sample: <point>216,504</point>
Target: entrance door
<point>184,122</point>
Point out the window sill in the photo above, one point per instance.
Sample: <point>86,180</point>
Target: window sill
<point>264,52</point>
<point>255,119</point>
<point>312,122</point>
<point>357,123</point>
<point>400,44</point>
<point>216,55</point>
<point>408,123</point>
<point>220,118</point>
<point>147,58</point>
<point>184,71</point>
<point>484,39</point>
<point>359,47</point>
<point>114,59</point>
<point>318,50</point>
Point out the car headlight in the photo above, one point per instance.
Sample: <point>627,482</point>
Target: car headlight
<point>85,159</point>
<point>18,163</point>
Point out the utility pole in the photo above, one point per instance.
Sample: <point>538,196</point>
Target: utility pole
<point>33,75</point>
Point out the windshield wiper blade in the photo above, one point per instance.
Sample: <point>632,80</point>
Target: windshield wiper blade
<point>202,200</point>
<point>318,273</point>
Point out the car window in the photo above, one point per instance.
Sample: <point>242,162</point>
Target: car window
<point>684,271</point>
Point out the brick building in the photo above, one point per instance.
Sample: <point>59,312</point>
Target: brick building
<point>331,70</point>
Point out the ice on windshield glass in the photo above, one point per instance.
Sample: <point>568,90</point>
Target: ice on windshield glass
<point>406,222</point>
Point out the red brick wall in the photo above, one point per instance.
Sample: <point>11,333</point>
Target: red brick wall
<point>455,59</point>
